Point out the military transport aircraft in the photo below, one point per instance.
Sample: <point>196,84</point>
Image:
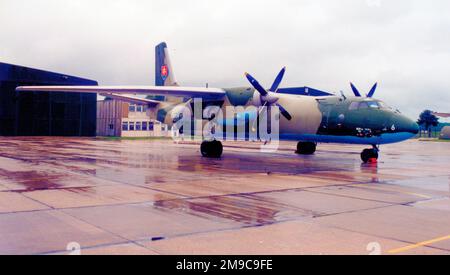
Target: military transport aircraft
<point>308,118</point>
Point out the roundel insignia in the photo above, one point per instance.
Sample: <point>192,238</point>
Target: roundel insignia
<point>164,72</point>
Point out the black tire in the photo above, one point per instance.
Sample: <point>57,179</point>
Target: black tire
<point>205,148</point>
<point>306,148</point>
<point>211,149</point>
<point>368,154</point>
<point>218,149</point>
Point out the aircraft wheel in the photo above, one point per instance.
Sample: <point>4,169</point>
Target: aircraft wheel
<point>368,154</point>
<point>306,148</point>
<point>211,149</point>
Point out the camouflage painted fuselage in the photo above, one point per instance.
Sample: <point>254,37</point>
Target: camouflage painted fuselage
<point>333,119</point>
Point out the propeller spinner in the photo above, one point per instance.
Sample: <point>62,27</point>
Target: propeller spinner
<point>268,97</point>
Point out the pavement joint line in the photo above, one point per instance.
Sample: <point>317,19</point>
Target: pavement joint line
<point>184,197</point>
<point>101,228</point>
<point>378,236</point>
<point>373,200</point>
<point>113,182</point>
<point>136,241</point>
<point>39,202</point>
<point>303,218</point>
<point>375,235</point>
<point>420,244</point>
<point>386,184</point>
<point>82,248</point>
<point>22,191</point>
<point>397,191</point>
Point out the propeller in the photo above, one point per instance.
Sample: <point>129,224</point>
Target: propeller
<point>268,97</point>
<point>355,91</point>
<point>372,91</point>
<point>358,94</point>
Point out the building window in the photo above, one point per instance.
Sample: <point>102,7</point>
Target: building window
<point>139,108</point>
<point>111,126</point>
<point>125,126</point>
<point>144,126</point>
<point>138,125</point>
<point>150,126</point>
<point>144,108</point>
<point>132,108</point>
<point>131,126</point>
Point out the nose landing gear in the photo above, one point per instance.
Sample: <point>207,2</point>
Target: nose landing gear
<point>370,155</point>
<point>211,149</point>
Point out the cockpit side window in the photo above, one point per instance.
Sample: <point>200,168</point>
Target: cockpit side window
<point>373,104</point>
<point>353,106</point>
<point>383,105</point>
<point>363,105</point>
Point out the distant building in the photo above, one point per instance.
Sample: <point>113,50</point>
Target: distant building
<point>123,119</point>
<point>44,113</point>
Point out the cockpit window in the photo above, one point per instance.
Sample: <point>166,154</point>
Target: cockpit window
<point>363,105</point>
<point>373,104</point>
<point>353,106</point>
<point>367,104</point>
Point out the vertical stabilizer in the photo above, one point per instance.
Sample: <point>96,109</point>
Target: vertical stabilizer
<point>164,75</point>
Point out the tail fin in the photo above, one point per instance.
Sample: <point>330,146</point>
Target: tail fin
<point>164,75</point>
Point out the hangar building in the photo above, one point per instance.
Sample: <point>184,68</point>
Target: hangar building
<point>43,113</point>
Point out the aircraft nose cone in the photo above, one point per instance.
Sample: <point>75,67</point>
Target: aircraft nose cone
<point>414,128</point>
<point>405,124</point>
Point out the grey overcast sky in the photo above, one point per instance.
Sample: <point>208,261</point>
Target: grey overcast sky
<point>403,44</point>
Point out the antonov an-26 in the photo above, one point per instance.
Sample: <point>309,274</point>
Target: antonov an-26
<point>308,119</point>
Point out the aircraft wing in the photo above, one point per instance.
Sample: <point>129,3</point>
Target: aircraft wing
<point>190,92</point>
<point>441,114</point>
<point>132,99</point>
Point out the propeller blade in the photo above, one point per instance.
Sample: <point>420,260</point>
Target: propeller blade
<point>277,81</point>
<point>355,91</point>
<point>261,110</point>
<point>256,84</point>
<point>284,112</point>
<point>372,91</point>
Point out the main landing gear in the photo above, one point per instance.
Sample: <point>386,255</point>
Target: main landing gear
<point>211,149</point>
<point>306,148</point>
<point>370,155</point>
